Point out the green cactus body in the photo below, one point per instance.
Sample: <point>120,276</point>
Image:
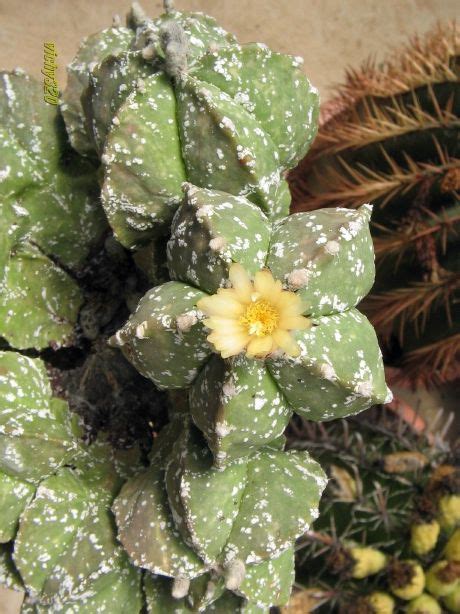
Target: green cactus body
<point>55,497</point>
<point>134,198</point>
<point>36,435</point>
<point>42,245</point>
<point>162,533</point>
<point>210,232</point>
<point>391,138</point>
<point>331,379</point>
<point>65,548</point>
<point>156,318</point>
<point>221,399</point>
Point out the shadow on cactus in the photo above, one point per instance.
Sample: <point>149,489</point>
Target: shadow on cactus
<point>391,137</point>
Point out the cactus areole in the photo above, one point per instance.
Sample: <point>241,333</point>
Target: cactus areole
<point>251,315</point>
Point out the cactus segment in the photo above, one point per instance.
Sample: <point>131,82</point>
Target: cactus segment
<point>327,256</point>
<point>194,487</point>
<point>339,372</point>
<point>117,592</point>
<point>238,407</point>
<point>92,50</point>
<point>272,88</point>
<point>111,82</point>
<point>106,468</point>
<point>36,433</point>
<point>14,496</point>
<point>28,120</point>
<point>269,583</point>
<point>210,231</point>
<point>224,147</point>
<point>143,139</point>
<point>247,525</point>
<point>39,303</point>
<point>273,513</point>
<point>34,170</point>
<point>62,563</point>
<point>154,342</point>
<point>146,528</point>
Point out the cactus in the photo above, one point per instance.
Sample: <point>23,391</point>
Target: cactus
<point>391,136</point>
<point>373,548</point>
<point>253,317</point>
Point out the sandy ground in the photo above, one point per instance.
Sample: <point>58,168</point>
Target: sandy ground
<point>329,34</point>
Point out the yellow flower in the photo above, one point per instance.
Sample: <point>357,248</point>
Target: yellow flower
<point>256,316</point>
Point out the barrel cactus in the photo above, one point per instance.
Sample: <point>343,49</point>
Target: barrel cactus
<point>382,539</point>
<point>391,136</point>
<point>252,316</point>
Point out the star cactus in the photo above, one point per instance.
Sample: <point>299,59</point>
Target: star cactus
<point>253,317</point>
<point>290,339</point>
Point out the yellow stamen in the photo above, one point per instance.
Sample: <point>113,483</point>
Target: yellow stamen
<point>260,318</point>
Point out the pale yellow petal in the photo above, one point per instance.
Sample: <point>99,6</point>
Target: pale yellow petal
<point>218,305</point>
<point>289,303</point>
<point>286,342</point>
<point>240,281</point>
<point>259,346</point>
<point>229,345</point>
<point>264,284</point>
<point>294,323</point>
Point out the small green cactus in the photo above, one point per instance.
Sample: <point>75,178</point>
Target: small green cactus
<point>378,531</point>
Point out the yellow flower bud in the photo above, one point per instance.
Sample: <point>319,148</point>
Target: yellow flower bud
<point>425,604</point>
<point>452,601</point>
<point>368,561</point>
<point>407,579</point>
<point>424,537</point>
<point>452,549</point>
<point>449,511</point>
<point>381,603</point>
<point>443,578</point>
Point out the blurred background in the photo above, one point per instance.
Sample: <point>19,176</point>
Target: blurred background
<point>330,35</point>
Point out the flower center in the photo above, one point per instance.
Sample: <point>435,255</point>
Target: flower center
<point>260,318</point>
